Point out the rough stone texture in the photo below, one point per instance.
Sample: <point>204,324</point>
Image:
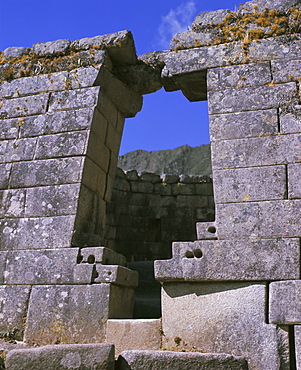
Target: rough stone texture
<point>294,189</point>
<point>203,20</point>
<point>67,314</point>
<point>116,275</point>
<point>297,329</point>
<point>218,260</point>
<point>281,5</point>
<point>14,305</point>
<point>237,325</point>
<point>63,357</point>
<point>286,70</point>
<point>40,266</point>
<point>284,302</point>
<point>102,255</point>
<point>244,124</point>
<point>133,334</point>
<point>50,47</point>
<point>248,184</point>
<point>157,360</point>
<point>15,52</point>
<point>19,107</point>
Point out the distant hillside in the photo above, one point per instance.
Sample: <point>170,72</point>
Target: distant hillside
<point>182,160</point>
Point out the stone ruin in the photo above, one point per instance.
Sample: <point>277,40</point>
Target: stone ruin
<point>230,299</point>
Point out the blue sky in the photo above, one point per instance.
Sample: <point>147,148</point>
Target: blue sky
<point>167,120</point>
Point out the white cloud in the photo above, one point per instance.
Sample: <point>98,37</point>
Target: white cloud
<point>177,20</point>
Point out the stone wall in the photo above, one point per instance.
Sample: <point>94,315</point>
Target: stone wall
<point>148,212</point>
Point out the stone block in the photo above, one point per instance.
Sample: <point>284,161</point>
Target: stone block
<point>142,334</point>
<point>279,47</point>
<point>26,106</point>
<point>214,17</point>
<point>50,47</point>
<point>252,98</point>
<point>244,124</point>
<point>94,177</point>
<point>101,255</point>
<point>170,179</point>
<point>10,128</point>
<point>67,314</point>
<point>33,85</point>
<point>246,75</point>
<point>17,150</point>
<point>206,230</point>
<point>270,219</point>
<point>284,302</point>
<point>85,77</point>
<point>294,175</point>
<point>12,203</point>
<point>57,200</point>
<point>297,329</point>
<point>83,273</point>
<point>118,275</point>
<point>15,52</point>
<point>57,122</point>
<point>34,233</point>
<point>192,60</point>
<point>14,304</point>
<point>63,357</point>
<point>62,145</point>
<point>249,184</point>
<point>120,45</point>
<point>218,260</point>
<point>290,121</point>
<point>56,171</point>
<point>191,39</point>
<point>281,5</point>
<point>72,99</point>
<point>5,170</point>
<point>98,152</point>
<point>170,360</point>
<point>40,266</point>
<point>230,318</point>
<point>286,70</point>
<point>260,151</point>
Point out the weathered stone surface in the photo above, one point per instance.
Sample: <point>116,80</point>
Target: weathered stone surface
<point>4,175</point>
<point>297,330</point>
<point>261,151</point>
<point>190,39</point>
<point>120,46</point>
<point>57,200</point>
<point>57,122</point>
<point>294,174</point>
<point>32,233</point>
<point>231,260</point>
<point>186,61</point>
<point>10,128</point>
<point>71,99</point>
<point>252,98</point>
<point>284,302</point>
<point>40,173</point>
<point>280,47</point>
<point>206,230</point>
<point>61,145</point>
<point>84,273</point>
<point>12,203</point>
<point>14,304</point>
<point>63,357</point>
<point>230,318</point>
<point>132,334</point>
<point>102,255</point>
<point>44,266</point>
<point>246,75</point>
<point>118,275</point>
<point>19,107</point>
<point>214,17</point>
<point>157,360</point>
<point>290,120</point>
<point>17,150</point>
<point>50,47</point>
<point>249,184</point>
<point>67,314</point>
<point>32,85</point>
<point>85,77</point>
<point>15,52</point>
<point>286,70</point>
<point>193,85</point>
<point>269,219</point>
<point>244,124</point>
<point>281,5</point>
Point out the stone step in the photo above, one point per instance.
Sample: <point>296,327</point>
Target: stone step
<point>169,360</point>
<point>127,334</point>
